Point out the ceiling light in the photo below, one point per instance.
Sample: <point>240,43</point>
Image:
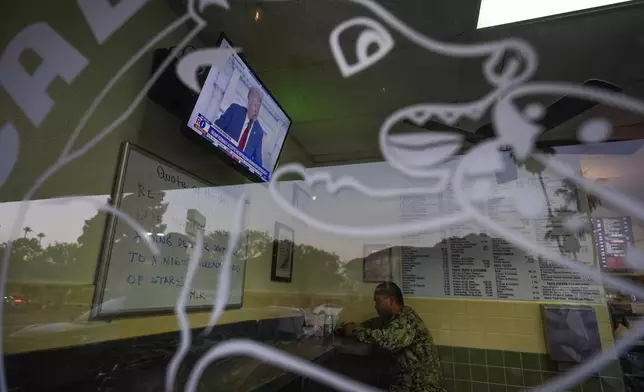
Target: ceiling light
<point>257,15</point>
<point>313,197</point>
<point>499,12</point>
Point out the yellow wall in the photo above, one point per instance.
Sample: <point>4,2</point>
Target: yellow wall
<point>500,325</point>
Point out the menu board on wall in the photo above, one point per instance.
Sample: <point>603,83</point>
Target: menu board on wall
<point>464,261</point>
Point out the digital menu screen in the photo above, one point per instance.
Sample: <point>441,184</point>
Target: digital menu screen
<point>612,239</point>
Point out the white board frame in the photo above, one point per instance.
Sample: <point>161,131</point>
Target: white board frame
<point>101,275</point>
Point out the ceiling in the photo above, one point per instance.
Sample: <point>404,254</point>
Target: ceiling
<point>336,120</point>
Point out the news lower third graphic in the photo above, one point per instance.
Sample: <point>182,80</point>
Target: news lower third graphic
<point>222,140</point>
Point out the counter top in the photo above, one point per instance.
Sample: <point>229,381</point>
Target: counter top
<point>246,374</point>
<point>250,374</point>
<point>351,346</point>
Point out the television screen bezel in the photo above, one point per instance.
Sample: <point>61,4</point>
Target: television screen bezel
<point>243,170</point>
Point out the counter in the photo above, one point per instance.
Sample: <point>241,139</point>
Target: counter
<point>246,374</point>
<point>140,363</point>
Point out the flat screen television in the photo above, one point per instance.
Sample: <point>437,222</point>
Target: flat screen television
<point>239,116</point>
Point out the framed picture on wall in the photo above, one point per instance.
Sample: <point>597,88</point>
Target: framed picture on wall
<point>377,263</point>
<point>283,246</point>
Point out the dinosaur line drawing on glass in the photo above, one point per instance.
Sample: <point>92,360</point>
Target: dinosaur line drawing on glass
<point>519,69</point>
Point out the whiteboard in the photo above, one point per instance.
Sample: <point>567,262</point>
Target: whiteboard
<point>171,205</point>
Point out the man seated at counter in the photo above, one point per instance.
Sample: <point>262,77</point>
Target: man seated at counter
<point>402,332</point>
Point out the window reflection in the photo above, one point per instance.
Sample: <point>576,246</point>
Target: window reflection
<point>478,296</point>
<point>54,256</point>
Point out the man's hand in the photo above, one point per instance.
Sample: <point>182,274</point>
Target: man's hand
<point>349,328</point>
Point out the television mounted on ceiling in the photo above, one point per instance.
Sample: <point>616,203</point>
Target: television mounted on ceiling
<point>237,114</point>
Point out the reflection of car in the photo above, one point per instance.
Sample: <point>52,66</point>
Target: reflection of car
<point>17,301</point>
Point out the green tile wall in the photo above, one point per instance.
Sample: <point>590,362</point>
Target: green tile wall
<point>480,370</point>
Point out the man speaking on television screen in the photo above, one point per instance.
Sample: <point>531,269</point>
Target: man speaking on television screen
<point>242,124</point>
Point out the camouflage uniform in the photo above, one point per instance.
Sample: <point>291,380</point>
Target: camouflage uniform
<point>415,355</point>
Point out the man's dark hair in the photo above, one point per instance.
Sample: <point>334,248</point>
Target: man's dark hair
<point>390,289</point>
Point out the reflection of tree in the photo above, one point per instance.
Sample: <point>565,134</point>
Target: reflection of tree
<point>570,241</point>
<point>60,253</point>
<point>148,213</point>
<point>65,262</point>
<point>24,258</point>
<point>29,261</point>
<point>324,266</point>
<point>25,249</point>
<point>567,242</point>
<point>570,193</point>
<point>88,244</point>
<point>255,244</point>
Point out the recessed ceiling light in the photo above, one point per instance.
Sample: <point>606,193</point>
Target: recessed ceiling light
<point>313,197</point>
<point>499,12</point>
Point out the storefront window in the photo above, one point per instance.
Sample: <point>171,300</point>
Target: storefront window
<point>305,195</point>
